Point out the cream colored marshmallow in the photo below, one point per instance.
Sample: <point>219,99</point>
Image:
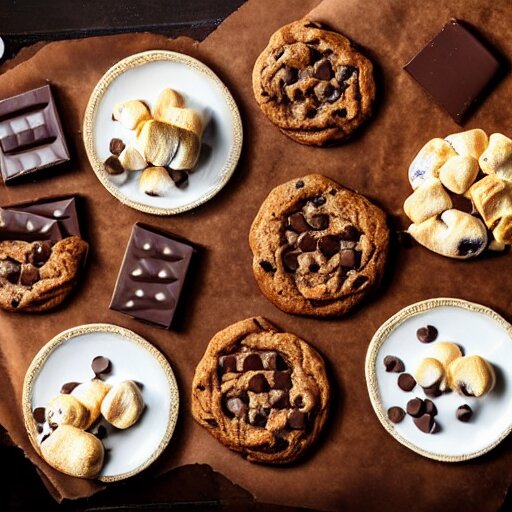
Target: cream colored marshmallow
<point>497,158</point>
<point>469,143</point>
<point>459,173</point>
<point>131,113</point>
<point>429,199</point>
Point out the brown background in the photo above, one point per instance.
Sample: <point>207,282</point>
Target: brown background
<point>357,465</point>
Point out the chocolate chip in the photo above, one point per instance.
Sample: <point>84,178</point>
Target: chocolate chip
<point>426,423</point>
<point>282,380</point>
<point>299,184</point>
<point>113,166</point>
<point>311,112</point>
<point>180,178</point>
<point>10,270</point>
<point>396,414</point>
<point>29,275</point>
<point>467,246</point>
<point>306,242</point>
<point>281,364</point>
<point>323,70</point>
<point>314,55</point>
<point>40,254</point>
<point>340,112</point>
<point>464,413</point>
<point>298,223</point>
<point>333,191</point>
<point>228,363</point>
<point>344,73</point>
<point>359,281</point>
<point>290,75</point>
<point>116,146</point>
<point>252,362</point>
<point>279,54</point>
<point>314,267</point>
<point>298,95</point>
<point>433,391</point>
<point>15,303</point>
<point>319,221</point>
<point>39,429</point>
<point>39,414</point>
<point>299,401</point>
<point>213,423</point>
<point>406,382</point>
<point>348,258</point>
<point>101,433</point>
<point>258,384</point>
<point>430,407</point>
<point>260,420</point>
<point>350,234</point>
<point>236,407</point>
<point>329,245</point>
<point>290,261</point>
<point>464,390</point>
<point>318,201</point>
<point>394,364</point>
<point>68,387</point>
<point>267,266</point>
<point>333,94</point>
<point>297,420</point>
<point>101,365</point>
<point>415,407</point>
<point>281,402</point>
<point>427,334</point>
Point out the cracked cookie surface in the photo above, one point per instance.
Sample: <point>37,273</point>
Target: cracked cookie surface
<point>318,248</point>
<point>313,84</point>
<point>38,276</point>
<point>261,392</point>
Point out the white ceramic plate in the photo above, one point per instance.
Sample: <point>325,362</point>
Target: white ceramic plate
<point>67,358</point>
<point>479,330</point>
<point>143,76</point>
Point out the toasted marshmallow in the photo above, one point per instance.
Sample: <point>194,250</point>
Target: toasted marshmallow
<point>168,98</point>
<point>428,200</point>
<point>454,234</point>
<point>184,118</point>
<point>155,181</point>
<point>188,151</point>
<point>492,197</point>
<point>91,394</point>
<point>445,352</point>
<point>431,373</point>
<point>459,173</point>
<point>123,405</point>
<point>131,113</point>
<point>469,143</point>
<point>429,160</point>
<point>503,231</point>
<point>157,142</point>
<point>471,376</point>
<point>132,160</point>
<point>67,410</point>
<point>497,158</point>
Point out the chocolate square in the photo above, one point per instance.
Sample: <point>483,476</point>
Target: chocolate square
<point>152,275</point>
<point>27,227</point>
<point>31,136</point>
<point>455,68</point>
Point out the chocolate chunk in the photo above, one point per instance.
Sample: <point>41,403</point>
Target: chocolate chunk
<point>318,201</point>
<point>464,390</point>
<point>297,420</point>
<point>348,258</point>
<point>282,380</point>
<point>350,234</point>
<point>213,423</point>
<point>433,391</point>
<point>298,223</point>
<point>39,414</point>
<point>258,384</point>
<point>311,112</point>
<point>267,266</point>
<point>298,95</point>
<point>113,166</point>
<point>39,429</point>
<point>394,364</point>
<point>180,178</point>
<point>314,267</point>
<point>396,414</point>
<point>228,363</point>
<point>430,407</point>
<point>323,70</point>
<point>406,382</point>
<point>236,407</point>
<point>329,245</point>
<point>415,407</point>
<point>15,303</point>
<point>469,246</point>
<point>340,112</point>
<point>29,275</point>
<point>260,420</point>
<point>252,362</point>
<point>281,402</point>
<point>332,94</point>
<point>455,68</point>
<point>306,242</point>
<point>425,423</point>
<point>299,184</point>
<point>290,75</point>
<point>10,270</point>
<point>116,146</point>
<point>464,413</point>
<point>427,334</point>
<point>41,252</point>
<point>344,73</point>
<point>314,54</point>
<point>290,261</point>
<point>299,401</point>
<point>68,387</point>
<point>27,227</point>
<point>31,136</point>
<point>319,221</point>
<point>101,365</point>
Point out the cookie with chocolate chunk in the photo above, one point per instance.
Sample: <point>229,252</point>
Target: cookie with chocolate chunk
<point>261,392</point>
<point>318,248</point>
<point>313,84</point>
<point>38,276</point>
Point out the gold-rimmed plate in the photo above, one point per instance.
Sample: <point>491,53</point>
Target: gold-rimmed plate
<point>143,76</point>
<point>67,358</point>
<point>478,330</point>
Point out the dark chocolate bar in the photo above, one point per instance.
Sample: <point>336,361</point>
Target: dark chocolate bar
<point>151,277</point>
<point>455,68</point>
<point>31,135</point>
<point>27,227</point>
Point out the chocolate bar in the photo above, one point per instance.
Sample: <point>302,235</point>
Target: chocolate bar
<point>455,68</point>
<point>31,135</point>
<point>27,227</point>
<point>151,277</point>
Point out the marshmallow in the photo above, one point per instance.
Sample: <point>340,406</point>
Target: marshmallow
<point>431,373</point>
<point>91,394</point>
<point>459,173</point>
<point>123,405</point>
<point>471,376</point>
<point>497,158</point>
<point>469,143</point>
<point>157,142</point>
<point>131,113</point>
<point>156,181</point>
<point>428,200</point>
<point>67,410</point>
<point>503,231</point>
<point>132,160</point>
<point>445,352</point>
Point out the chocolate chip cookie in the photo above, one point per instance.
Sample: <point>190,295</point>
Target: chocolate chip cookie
<point>38,276</point>
<point>313,84</point>
<point>318,248</point>
<point>261,392</point>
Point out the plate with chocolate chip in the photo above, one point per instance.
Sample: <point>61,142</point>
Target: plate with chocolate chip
<point>162,132</point>
<point>99,402</point>
<point>439,375</point>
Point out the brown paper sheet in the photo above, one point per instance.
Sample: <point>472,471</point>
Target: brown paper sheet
<point>356,465</point>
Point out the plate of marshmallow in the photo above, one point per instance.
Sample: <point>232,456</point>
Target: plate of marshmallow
<point>439,375</point>
<point>100,402</point>
<point>162,132</point>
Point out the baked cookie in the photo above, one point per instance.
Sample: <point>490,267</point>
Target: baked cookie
<point>38,276</point>
<point>313,84</point>
<point>261,392</point>
<point>318,248</point>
